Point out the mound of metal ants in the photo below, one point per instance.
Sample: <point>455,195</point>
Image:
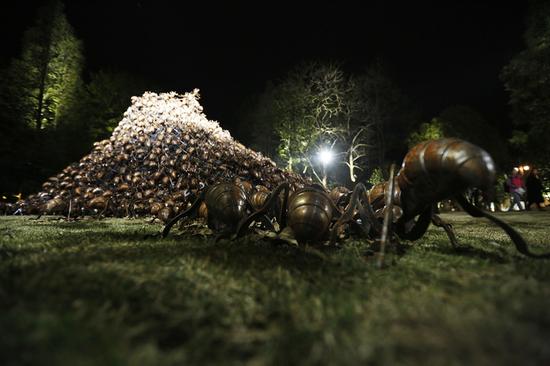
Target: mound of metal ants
<point>400,208</point>
<point>159,157</point>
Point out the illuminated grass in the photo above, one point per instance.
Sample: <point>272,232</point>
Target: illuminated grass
<point>100,292</point>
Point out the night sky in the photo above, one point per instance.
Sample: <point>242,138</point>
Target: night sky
<point>440,54</point>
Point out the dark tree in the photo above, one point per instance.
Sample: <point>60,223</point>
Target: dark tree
<point>257,118</point>
<point>37,94</point>
<point>465,123</point>
<point>389,112</point>
<point>43,81</point>
<point>106,98</point>
<point>305,110</point>
<point>100,107</point>
<point>526,78</point>
<point>318,105</point>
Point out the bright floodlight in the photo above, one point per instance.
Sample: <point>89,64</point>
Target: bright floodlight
<point>526,167</point>
<point>326,156</point>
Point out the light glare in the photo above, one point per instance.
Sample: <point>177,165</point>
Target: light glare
<point>326,156</point>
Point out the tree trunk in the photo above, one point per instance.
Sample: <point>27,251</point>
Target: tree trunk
<point>351,167</point>
<point>42,89</point>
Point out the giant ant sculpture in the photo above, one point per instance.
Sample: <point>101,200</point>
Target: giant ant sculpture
<point>401,207</point>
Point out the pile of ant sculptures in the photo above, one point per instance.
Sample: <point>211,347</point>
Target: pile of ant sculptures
<point>400,207</point>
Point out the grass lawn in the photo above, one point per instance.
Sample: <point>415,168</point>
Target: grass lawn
<point>98,292</point>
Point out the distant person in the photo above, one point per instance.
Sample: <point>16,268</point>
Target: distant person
<point>533,184</point>
<point>489,197</point>
<point>517,189</point>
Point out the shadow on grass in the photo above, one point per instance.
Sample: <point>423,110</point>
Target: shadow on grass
<point>167,310</point>
<point>469,251</point>
<point>86,242</point>
<point>87,223</point>
<point>150,280</point>
<point>93,240</point>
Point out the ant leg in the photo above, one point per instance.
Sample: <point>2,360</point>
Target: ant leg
<point>386,229</point>
<point>190,210</point>
<point>418,228</point>
<point>438,221</point>
<point>367,223</point>
<point>245,223</point>
<point>348,213</point>
<point>106,206</point>
<point>267,223</point>
<point>282,211</point>
<point>366,213</point>
<point>517,239</point>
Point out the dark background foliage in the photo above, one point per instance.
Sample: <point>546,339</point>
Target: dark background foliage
<point>478,68</point>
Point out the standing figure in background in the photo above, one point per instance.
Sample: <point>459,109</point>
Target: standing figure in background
<point>534,188</point>
<point>517,189</point>
<point>489,198</point>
